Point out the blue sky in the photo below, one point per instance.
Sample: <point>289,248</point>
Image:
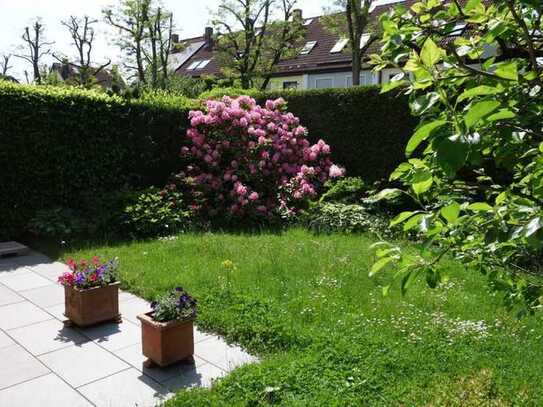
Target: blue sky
<point>190,16</point>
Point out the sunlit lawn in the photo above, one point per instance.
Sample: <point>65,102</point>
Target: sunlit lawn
<point>326,334</point>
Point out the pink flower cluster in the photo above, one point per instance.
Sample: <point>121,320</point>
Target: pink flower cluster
<point>249,159</point>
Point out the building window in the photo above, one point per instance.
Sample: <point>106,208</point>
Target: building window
<point>200,64</point>
<point>324,83</point>
<point>288,85</point>
<point>364,40</point>
<point>308,47</point>
<point>366,79</point>
<point>339,46</point>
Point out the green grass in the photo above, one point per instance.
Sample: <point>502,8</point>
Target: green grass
<point>325,333</point>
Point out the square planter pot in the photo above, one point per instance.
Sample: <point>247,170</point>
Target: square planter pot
<point>92,306</point>
<point>165,343</point>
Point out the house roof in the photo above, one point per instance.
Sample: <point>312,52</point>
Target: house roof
<point>320,59</point>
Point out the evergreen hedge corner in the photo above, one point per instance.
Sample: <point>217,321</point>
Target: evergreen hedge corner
<point>62,146</point>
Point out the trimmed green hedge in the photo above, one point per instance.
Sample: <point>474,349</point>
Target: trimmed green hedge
<point>64,147</point>
<point>367,131</point>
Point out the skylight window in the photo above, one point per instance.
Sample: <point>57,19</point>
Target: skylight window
<point>308,47</point>
<point>364,40</point>
<point>200,64</point>
<point>308,22</point>
<point>339,46</point>
<point>194,65</point>
<point>458,29</point>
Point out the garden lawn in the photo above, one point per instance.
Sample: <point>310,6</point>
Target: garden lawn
<point>325,333</point>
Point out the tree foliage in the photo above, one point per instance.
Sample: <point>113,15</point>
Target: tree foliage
<point>250,44</point>
<point>475,163</point>
<point>35,47</point>
<point>351,20</point>
<point>145,39</point>
<point>82,34</point>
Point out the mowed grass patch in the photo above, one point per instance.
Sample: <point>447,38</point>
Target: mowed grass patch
<point>325,333</point>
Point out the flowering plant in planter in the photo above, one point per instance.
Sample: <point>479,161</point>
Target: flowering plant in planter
<point>167,331</point>
<point>88,274</point>
<point>175,305</point>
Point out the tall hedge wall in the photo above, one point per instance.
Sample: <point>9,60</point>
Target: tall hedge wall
<point>61,146</point>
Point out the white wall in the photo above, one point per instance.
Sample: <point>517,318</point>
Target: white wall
<point>340,79</point>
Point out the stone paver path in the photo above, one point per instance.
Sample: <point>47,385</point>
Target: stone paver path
<point>44,362</point>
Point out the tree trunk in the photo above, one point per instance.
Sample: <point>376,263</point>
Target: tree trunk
<point>356,68</point>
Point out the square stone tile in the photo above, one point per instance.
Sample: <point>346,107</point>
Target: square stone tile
<point>7,265</point>
<point>18,366</point>
<point>217,352</point>
<point>57,311</point>
<point>5,340</point>
<point>82,364</point>
<point>44,391</point>
<point>8,296</point>
<point>130,309</point>
<point>21,314</point>
<point>200,336</point>
<point>51,271</point>
<point>114,336</point>
<point>45,296</point>
<point>46,336</point>
<point>126,296</point>
<point>195,376</point>
<point>31,259</point>
<point>26,280</point>
<point>133,355</point>
<point>125,389</point>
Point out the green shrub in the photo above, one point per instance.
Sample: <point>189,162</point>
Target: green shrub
<point>156,213</point>
<point>65,147</point>
<point>345,190</point>
<point>56,223</point>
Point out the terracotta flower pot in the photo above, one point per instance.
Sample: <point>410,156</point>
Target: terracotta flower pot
<point>165,343</point>
<point>93,305</point>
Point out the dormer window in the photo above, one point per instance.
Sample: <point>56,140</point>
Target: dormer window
<point>339,46</point>
<point>308,47</point>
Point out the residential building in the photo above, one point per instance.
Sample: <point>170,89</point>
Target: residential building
<point>322,62</point>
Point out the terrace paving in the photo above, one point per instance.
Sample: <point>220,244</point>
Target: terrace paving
<point>98,366</point>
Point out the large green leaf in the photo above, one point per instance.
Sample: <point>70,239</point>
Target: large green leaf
<point>422,181</point>
<point>424,103</point>
<point>482,90</point>
<point>379,265</point>
<point>507,70</point>
<point>451,212</point>
<point>430,54</point>
<point>422,134</point>
<point>479,111</point>
<point>451,155</point>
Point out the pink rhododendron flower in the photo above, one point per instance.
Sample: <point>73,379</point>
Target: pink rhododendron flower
<point>248,159</point>
<point>336,172</point>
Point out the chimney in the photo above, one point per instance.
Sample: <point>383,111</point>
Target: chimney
<point>208,38</point>
<point>174,41</point>
<point>297,14</point>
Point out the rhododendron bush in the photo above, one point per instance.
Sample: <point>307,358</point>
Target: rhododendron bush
<point>249,160</point>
